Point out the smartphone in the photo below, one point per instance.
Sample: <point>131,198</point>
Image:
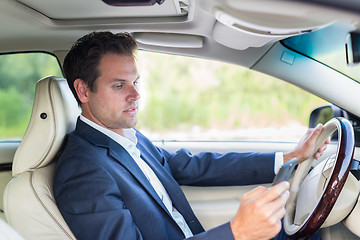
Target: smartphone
<point>285,171</point>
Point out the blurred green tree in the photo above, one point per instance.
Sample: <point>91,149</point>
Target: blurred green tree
<point>18,75</point>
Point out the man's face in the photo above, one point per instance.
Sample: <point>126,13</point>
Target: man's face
<point>114,102</point>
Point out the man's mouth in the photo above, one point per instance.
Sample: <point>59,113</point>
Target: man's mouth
<point>132,110</point>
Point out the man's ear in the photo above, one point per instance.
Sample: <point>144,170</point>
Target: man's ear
<point>81,89</point>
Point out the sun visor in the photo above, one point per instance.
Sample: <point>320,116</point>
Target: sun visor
<point>171,40</point>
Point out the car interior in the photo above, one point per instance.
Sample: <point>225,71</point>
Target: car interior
<point>262,35</point>
<point>54,114</point>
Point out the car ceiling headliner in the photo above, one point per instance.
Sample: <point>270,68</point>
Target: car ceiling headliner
<point>52,25</point>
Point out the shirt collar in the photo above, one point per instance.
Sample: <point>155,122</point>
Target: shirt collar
<point>128,141</point>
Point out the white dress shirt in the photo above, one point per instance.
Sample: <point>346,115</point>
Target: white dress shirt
<point>279,161</point>
<point>129,141</point>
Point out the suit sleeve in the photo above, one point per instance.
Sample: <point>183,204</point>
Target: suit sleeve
<point>215,169</point>
<point>96,211</point>
<point>222,232</point>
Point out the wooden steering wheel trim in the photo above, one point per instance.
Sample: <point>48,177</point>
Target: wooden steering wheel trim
<point>335,184</point>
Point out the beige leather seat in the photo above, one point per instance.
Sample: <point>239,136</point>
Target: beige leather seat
<point>8,233</point>
<point>29,204</point>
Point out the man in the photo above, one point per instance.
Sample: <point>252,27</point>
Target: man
<point>111,182</point>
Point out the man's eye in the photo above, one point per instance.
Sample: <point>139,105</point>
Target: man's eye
<point>119,86</point>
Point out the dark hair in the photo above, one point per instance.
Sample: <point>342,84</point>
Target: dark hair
<point>84,57</point>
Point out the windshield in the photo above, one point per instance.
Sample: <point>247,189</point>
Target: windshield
<point>328,47</point>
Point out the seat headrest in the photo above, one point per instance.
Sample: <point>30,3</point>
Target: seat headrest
<point>54,114</point>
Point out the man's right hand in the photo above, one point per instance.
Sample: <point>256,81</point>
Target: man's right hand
<point>260,213</point>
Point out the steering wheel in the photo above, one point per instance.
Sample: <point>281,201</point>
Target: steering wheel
<point>314,193</point>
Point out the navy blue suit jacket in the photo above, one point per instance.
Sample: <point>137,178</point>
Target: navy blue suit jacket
<point>102,193</point>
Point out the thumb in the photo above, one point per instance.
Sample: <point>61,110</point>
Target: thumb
<point>316,132</point>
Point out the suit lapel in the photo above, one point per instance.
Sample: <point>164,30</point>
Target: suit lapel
<point>165,178</point>
<point>173,189</point>
<point>119,153</point>
<point>123,157</point>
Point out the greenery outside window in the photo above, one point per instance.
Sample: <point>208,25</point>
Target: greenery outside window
<point>185,98</point>
<point>19,73</point>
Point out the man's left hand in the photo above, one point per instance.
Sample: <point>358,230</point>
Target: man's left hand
<point>306,146</point>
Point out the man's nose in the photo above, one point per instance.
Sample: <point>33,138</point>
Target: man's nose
<point>134,94</point>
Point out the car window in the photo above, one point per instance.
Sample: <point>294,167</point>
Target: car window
<point>185,98</point>
<point>182,98</point>
<point>18,76</point>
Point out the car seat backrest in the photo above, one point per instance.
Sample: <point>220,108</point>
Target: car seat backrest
<point>7,152</point>
<point>30,207</point>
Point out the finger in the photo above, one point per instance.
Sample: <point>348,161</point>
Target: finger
<point>278,215</point>
<point>280,188</point>
<point>316,132</point>
<point>327,141</point>
<point>274,192</point>
<point>254,193</point>
<point>274,221</point>
<point>318,155</point>
<point>275,210</point>
<point>279,203</point>
<point>322,149</point>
